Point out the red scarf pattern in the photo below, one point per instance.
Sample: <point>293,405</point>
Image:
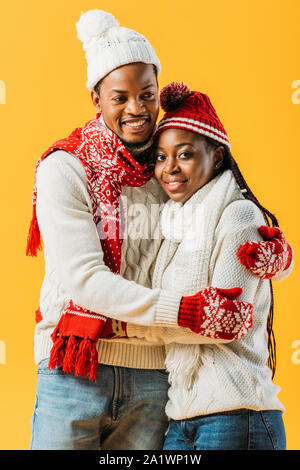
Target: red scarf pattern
<point>108,166</point>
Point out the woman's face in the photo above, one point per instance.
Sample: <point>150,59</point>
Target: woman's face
<point>184,164</point>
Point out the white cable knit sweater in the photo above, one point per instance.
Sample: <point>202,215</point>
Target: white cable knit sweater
<point>209,378</point>
<point>74,266</point>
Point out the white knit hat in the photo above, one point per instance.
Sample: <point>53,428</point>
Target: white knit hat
<point>109,46</point>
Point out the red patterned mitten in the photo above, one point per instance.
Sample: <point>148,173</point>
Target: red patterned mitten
<point>214,313</point>
<point>114,329</point>
<point>268,258</point>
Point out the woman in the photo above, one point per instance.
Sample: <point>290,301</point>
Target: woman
<point>221,393</point>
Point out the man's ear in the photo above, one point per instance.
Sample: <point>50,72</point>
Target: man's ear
<point>96,100</point>
<point>219,155</point>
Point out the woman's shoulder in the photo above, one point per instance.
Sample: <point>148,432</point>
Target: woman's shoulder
<point>242,213</point>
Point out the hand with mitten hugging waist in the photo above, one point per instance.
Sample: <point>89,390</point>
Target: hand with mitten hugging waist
<point>114,329</point>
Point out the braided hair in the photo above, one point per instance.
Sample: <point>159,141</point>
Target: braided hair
<point>230,163</point>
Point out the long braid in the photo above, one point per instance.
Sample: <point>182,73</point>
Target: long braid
<point>248,194</point>
<point>229,162</point>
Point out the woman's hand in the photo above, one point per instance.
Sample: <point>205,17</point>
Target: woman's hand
<point>216,314</point>
<point>266,259</point>
<point>114,329</point>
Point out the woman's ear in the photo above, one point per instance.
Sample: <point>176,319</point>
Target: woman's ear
<point>219,155</point>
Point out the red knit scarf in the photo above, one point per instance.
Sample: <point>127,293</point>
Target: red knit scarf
<point>108,166</point>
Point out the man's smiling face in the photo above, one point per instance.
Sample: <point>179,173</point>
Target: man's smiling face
<point>128,101</point>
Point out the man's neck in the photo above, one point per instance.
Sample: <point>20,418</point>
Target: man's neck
<point>140,151</point>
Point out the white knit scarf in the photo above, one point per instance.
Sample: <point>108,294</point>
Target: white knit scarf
<point>194,224</point>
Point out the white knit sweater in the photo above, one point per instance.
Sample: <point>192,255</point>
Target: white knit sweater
<point>222,375</point>
<point>74,266</point>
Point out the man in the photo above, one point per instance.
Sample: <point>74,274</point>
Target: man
<point>90,276</point>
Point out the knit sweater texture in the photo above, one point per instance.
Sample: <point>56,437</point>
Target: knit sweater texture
<point>74,266</point>
<point>200,250</point>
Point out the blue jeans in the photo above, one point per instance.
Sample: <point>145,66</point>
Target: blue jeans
<point>233,430</point>
<point>124,409</point>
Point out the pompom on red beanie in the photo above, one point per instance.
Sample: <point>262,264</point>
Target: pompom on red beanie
<point>190,110</point>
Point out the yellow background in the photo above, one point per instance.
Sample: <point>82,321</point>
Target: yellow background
<point>243,53</point>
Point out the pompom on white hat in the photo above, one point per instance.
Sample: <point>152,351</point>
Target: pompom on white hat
<point>108,46</point>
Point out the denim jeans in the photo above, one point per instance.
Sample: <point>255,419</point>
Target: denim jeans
<point>234,430</point>
<point>123,410</point>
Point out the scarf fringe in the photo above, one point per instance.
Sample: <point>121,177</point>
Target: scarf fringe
<point>34,242</point>
<point>70,355</point>
<point>75,355</point>
<point>83,358</point>
<point>57,353</point>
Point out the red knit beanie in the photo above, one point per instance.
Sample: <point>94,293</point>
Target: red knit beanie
<point>190,110</point>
